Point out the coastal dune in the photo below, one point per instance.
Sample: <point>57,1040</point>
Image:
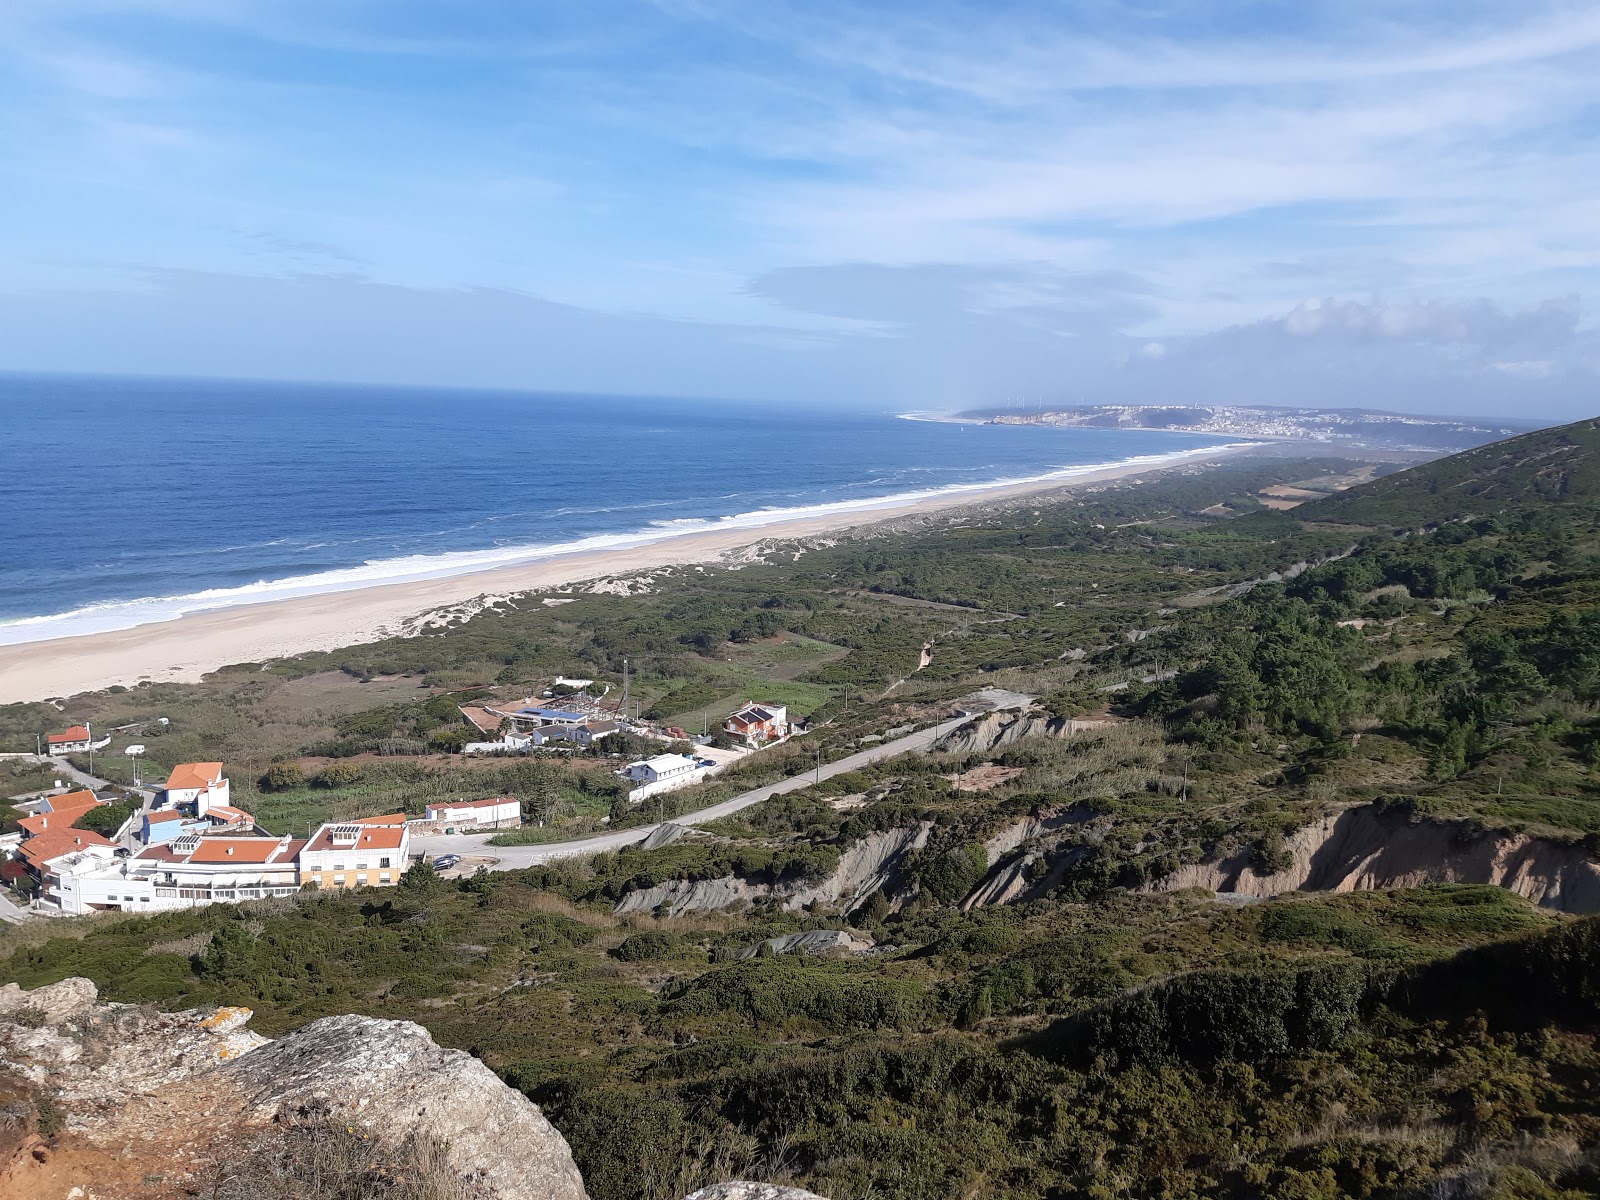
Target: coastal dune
<point>185,649</point>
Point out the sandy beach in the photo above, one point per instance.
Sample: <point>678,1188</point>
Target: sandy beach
<point>186,648</point>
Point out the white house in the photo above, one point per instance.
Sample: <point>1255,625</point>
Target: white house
<point>69,741</point>
<point>199,784</point>
<point>501,812</point>
<point>660,769</point>
<point>186,872</point>
<point>371,852</point>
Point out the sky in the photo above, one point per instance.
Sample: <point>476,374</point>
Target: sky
<point>895,204</point>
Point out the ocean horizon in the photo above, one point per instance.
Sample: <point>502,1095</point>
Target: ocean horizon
<point>136,500</point>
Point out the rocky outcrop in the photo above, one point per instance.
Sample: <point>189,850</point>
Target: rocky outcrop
<point>751,1191</point>
<point>998,729</point>
<point>679,897</point>
<point>813,941</point>
<point>1364,849</point>
<point>390,1076</point>
<point>195,1091</point>
<point>865,867</point>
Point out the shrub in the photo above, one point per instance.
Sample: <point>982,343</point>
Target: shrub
<point>283,777</point>
<point>651,944</point>
<point>339,774</point>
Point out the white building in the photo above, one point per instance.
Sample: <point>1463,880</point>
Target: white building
<point>371,852</point>
<point>199,784</point>
<point>502,812</point>
<point>660,769</point>
<point>71,741</point>
<point>184,873</point>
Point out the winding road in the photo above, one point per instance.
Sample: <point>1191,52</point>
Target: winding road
<point>513,858</point>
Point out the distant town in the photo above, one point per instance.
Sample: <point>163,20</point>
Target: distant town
<point>183,843</point>
<point>1344,426</point>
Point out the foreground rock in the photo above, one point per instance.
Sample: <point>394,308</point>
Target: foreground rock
<point>128,1101</point>
<point>752,1191</point>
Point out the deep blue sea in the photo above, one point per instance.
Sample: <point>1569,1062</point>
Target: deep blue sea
<point>124,501</point>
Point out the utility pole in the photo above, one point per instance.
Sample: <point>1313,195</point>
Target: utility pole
<point>818,778</point>
<point>89,729</point>
<point>624,689</point>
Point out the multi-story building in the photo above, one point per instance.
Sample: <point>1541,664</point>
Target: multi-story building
<point>758,724</point>
<point>371,852</point>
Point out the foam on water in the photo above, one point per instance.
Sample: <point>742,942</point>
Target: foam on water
<point>127,614</point>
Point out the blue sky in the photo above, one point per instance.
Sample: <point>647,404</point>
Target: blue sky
<point>888,204</point>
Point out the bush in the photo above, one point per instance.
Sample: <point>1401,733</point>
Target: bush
<point>283,777</point>
<point>1248,1016</point>
<point>339,774</point>
<point>651,944</point>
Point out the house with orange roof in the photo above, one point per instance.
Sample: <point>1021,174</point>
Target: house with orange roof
<point>346,854</point>
<point>69,741</point>
<point>187,872</point>
<point>58,812</point>
<point>59,859</point>
<point>201,784</point>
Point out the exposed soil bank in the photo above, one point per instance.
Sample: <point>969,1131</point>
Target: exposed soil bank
<point>1363,849</point>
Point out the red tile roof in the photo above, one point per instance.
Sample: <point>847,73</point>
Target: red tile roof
<point>382,837</point>
<point>387,819</point>
<point>82,799</point>
<point>64,813</point>
<point>225,850</point>
<point>163,816</point>
<point>76,734</point>
<point>194,775</point>
<point>58,842</point>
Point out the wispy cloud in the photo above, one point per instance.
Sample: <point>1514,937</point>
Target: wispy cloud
<point>840,179</point>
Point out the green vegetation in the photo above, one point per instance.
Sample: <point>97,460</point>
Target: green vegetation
<point>1426,644</point>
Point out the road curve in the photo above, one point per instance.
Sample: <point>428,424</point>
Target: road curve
<point>512,858</point>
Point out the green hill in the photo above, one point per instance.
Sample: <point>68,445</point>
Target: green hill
<point>1549,466</point>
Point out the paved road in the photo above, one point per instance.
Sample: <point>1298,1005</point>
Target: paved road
<point>66,770</point>
<point>513,858</point>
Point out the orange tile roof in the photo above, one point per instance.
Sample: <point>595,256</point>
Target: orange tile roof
<point>64,813</point>
<point>194,775</point>
<point>58,842</point>
<point>388,819</point>
<point>76,734</point>
<point>225,850</point>
<point>163,816</point>
<point>83,798</point>
<point>383,837</point>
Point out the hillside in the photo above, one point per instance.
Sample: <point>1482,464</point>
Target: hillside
<point>1559,466</point>
<point>1283,887</point>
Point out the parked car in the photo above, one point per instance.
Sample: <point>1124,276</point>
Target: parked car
<point>445,861</point>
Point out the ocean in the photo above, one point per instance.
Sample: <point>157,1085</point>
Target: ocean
<point>127,501</point>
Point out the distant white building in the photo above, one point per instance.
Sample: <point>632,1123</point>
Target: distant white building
<point>69,741</point>
<point>501,812</point>
<point>660,769</point>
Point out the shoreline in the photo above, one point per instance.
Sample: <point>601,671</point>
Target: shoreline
<point>185,648</point>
